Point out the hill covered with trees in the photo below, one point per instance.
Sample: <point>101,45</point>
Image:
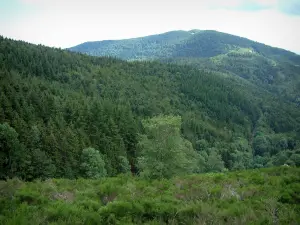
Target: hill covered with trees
<point>272,68</point>
<point>70,115</point>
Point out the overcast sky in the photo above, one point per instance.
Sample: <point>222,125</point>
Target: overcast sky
<point>65,23</point>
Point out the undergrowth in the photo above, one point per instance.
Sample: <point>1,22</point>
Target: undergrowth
<point>260,196</point>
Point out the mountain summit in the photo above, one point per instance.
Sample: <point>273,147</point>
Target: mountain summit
<point>273,68</point>
<point>174,44</point>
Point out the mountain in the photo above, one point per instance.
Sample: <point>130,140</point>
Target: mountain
<point>272,68</point>
<point>60,110</point>
<point>178,44</point>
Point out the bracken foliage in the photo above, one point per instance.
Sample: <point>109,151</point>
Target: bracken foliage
<point>260,196</point>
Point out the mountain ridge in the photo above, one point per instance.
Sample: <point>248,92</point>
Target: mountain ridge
<point>187,33</point>
<point>269,67</point>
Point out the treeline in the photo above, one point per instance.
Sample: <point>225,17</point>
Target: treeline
<point>54,105</point>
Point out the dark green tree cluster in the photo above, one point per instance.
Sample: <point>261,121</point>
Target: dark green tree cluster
<point>54,104</point>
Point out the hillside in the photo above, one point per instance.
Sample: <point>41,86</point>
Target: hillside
<point>150,47</point>
<point>272,68</point>
<point>264,196</point>
<point>61,111</point>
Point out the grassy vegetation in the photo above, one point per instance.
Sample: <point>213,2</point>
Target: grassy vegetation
<point>260,196</point>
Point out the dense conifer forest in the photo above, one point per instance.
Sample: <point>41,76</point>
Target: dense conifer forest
<point>54,104</point>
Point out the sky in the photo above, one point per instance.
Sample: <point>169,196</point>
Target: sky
<point>65,23</point>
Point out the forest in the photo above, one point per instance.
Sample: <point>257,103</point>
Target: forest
<point>272,68</point>
<point>100,140</point>
<point>68,115</point>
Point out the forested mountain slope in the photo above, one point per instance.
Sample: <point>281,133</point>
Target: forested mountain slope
<point>54,104</point>
<point>272,68</point>
<point>150,47</point>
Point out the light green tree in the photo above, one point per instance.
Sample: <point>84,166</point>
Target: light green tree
<point>164,152</point>
<point>92,165</point>
<point>214,162</point>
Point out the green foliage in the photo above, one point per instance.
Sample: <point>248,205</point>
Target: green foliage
<point>92,164</point>
<point>54,103</point>
<point>42,165</point>
<point>10,151</point>
<point>272,68</point>
<point>261,145</point>
<point>214,162</point>
<point>249,197</point>
<point>164,153</point>
<point>295,158</point>
<point>59,103</point>
<point>124,164</point>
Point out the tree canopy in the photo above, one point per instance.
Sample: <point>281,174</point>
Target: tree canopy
<point>164,153</point>
<point>54,104</point>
